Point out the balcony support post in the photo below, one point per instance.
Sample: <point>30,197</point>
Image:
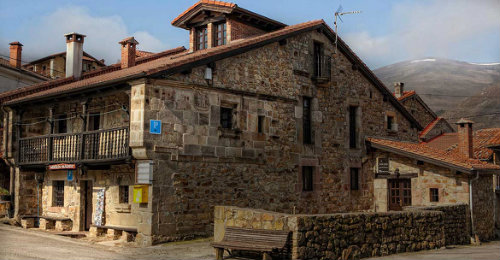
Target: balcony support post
<point>51,132</point>
<point>84,126</point>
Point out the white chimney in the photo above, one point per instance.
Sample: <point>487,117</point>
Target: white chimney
<point>399,89</point>
<point>74,54</point>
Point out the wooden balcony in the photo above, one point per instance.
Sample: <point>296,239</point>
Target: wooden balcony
<point>88,147</point>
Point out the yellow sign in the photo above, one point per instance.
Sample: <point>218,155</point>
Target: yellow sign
<point>141,193</point>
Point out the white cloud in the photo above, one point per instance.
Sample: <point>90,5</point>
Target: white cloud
<point>103,35</point>
<point>440,28</point>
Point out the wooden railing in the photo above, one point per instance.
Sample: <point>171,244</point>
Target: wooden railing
<point>94,146</point>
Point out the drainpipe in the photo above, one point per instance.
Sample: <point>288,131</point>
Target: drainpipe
<point>473,231</point>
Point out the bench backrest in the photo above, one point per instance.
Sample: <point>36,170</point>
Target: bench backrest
<point>273,238</point>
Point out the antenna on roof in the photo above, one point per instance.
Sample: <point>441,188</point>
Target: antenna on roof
<point>338,14</point>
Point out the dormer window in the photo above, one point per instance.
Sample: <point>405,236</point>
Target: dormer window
<point>220,34</point>
<point>201,38</point>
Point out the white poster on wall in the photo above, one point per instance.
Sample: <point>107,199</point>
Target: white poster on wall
<point>144,172</point>
<point>99,209</point>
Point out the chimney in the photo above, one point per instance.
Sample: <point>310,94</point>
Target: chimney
<point>16,49</point>
<point>128,52</point>
<point>399,89</point>
<point>465,143</point>
<point>74,54</point>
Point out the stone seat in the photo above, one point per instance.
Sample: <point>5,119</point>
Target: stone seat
<point>28,221</point>
<point>58,223</point>
<point>114,232</point>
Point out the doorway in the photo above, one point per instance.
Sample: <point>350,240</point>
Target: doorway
<point>86,193</point>
<point>399,193</point>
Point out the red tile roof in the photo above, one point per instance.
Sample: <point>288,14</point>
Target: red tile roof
<point>482,139</point>
<point>86,56</point>
<point>139,53</point>
<point>432,154</point>
<point>406,94</point>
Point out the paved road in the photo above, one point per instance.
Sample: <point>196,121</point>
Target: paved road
<point>487,251</point>
<point>17,243</point>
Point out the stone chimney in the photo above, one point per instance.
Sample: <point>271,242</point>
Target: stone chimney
<point>399,88</point>
<point>465,138</point>
<point>16,49</point>
<point>128,52</point>
<point>74,54</point>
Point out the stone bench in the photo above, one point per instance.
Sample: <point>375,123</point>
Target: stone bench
<point>114,232</point>
<point>28,221</point>
<point>57,223</point>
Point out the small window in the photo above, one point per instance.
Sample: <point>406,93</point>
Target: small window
<point>226,117</point>
<point>354,179</point>
<point>260,124</point>
<point>220,35</point>
<point>201,38</point>
<point>353,127</point>
<point>58,193</point>
<point>390,122</point>
<point>318,59</point>
<point>306,120</point>
<point>123,194</point>
<point>62,124</point>
<point>307,178</point>
<point>434,194</point>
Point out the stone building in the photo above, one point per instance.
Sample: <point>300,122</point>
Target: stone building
<point>255,114</point>
<point>417,174</point>
<point>433,124</point>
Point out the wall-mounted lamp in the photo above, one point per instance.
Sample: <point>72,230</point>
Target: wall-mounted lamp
<point>209,73</point>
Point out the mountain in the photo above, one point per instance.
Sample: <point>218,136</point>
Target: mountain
<point>451,88</point>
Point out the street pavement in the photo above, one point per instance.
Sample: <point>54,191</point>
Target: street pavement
<point>17,243</point>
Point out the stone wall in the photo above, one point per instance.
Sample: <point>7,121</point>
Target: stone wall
<point>483,207</point>
<point>345,235</point>
<point>354,235</point>
<point>239,30</point>
<point>25,200</point>
<point>456,222</point>
<point>418,110</point>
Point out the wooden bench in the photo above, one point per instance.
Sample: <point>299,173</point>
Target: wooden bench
<point>114,232</point>
<point>256,240</point>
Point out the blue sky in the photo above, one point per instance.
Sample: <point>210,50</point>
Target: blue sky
<point>384,33</point>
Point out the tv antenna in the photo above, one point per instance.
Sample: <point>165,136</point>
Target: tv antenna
<point>338,14</point>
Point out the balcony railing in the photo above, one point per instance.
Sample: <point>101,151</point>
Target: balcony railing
<point>322,68</point>
<point>94,146</point>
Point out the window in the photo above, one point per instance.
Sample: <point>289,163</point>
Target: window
<point>318,56</point>
<point>220,34</point>
<point>260,124</point>
<point>390,122</point>
<point>307,178</point>
<point>352,126</point>
<point>201,38</point>
<point>62,124</point>
<point>306,120</point>
<point>94,121</point>
<point>226,117</point>
<point>123,194</point>
<point>58,193</point>
<point>434,195</point>
<point>354,179</point>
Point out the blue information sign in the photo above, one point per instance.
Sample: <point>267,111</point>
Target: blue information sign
<point>155,127</point>
<point>70,175</point>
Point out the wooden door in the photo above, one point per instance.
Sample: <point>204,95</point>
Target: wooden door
<point>399,193</point>
<point>87,204</point>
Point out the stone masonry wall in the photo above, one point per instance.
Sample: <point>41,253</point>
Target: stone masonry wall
<point>456,222</point>
<point>423,116</point>
<point>239,30</point>
<point>483,207</point>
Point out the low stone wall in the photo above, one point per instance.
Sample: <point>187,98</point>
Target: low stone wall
<point>456,222</point>
<point>4,208</point>
<point>355,235</point>
<point>345,236</point>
